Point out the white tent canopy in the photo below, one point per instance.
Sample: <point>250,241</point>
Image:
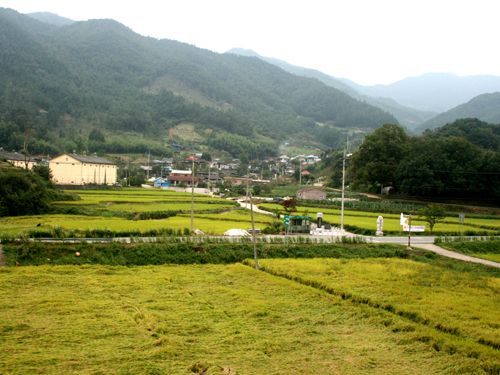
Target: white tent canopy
<point>236,233</point>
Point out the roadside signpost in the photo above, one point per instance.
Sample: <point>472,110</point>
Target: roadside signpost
<point>414,228</point>
<point>461,219</point>
<point>286,221</point>
<point>319,215</point>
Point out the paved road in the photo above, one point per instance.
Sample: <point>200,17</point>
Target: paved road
<point>452,254</point>
<point>401,240</point>
<point>255,208</point>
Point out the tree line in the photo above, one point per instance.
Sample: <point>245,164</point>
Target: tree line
<point>446,163</point>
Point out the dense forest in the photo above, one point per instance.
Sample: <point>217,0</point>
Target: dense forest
<point>63,82</point>
<point>458,161</point>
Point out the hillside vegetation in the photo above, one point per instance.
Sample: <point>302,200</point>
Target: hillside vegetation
<point>100,74</point>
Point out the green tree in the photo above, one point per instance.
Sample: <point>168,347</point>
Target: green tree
<point>445,166</point>
<point>432,214</point>
<point>23,192</point>
<point>206,156</point>
<point>256,190</point>
<point>378,158</point>
<point>96,136</point>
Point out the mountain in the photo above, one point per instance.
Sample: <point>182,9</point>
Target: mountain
<point>100,74</point>
<point>485,107</point>
<point>408,117</point>
<point>51,18</point>
<point>436,92</point>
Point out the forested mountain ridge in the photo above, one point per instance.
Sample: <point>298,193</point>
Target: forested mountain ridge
<point>102,74</point>
<point>485,107</point>
<point>408,117</point>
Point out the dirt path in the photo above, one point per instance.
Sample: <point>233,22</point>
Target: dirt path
<point>454,255</point>
<point>3,263</point>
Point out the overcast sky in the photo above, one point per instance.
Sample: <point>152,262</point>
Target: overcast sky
<point>366,41</point>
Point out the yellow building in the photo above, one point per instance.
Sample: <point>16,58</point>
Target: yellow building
<point>72,169</point>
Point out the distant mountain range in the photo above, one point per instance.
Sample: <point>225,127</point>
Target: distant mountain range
<point>485,107</point>
<point>436,92</point>
<point>413,100</point>
<point>50,18</point>
<point>408,117</point>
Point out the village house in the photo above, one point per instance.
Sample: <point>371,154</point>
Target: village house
<point>310,159</point>
<point>19,160</point>
<point>311,193</point>
<point>177,176</point>
<point>73,169</point>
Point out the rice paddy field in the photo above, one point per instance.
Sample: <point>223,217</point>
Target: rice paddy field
<point>121,210</point>
<point>233,319</point>
<point>135,195</point>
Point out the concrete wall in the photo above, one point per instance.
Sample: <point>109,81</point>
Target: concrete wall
<point>312,194</point>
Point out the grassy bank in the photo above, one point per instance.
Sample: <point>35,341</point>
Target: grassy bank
<point>115,254</point>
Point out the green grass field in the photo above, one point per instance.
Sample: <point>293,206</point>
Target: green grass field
<point>210,320</point>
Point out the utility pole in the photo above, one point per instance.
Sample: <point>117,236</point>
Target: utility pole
<point>300,173</point>
<point>343,188</point>
<point>246,198</point>
<point>208,194</point>
<point>149,153</point>
<point>409,233</point>
<point>192,194</point>
<point>253,234</point>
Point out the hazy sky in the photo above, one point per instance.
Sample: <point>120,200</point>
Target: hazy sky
<point>367,41</point>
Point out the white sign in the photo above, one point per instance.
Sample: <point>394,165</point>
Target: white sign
<point>403,220</point>
<point>414,228</point>
<point>319,214</point>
